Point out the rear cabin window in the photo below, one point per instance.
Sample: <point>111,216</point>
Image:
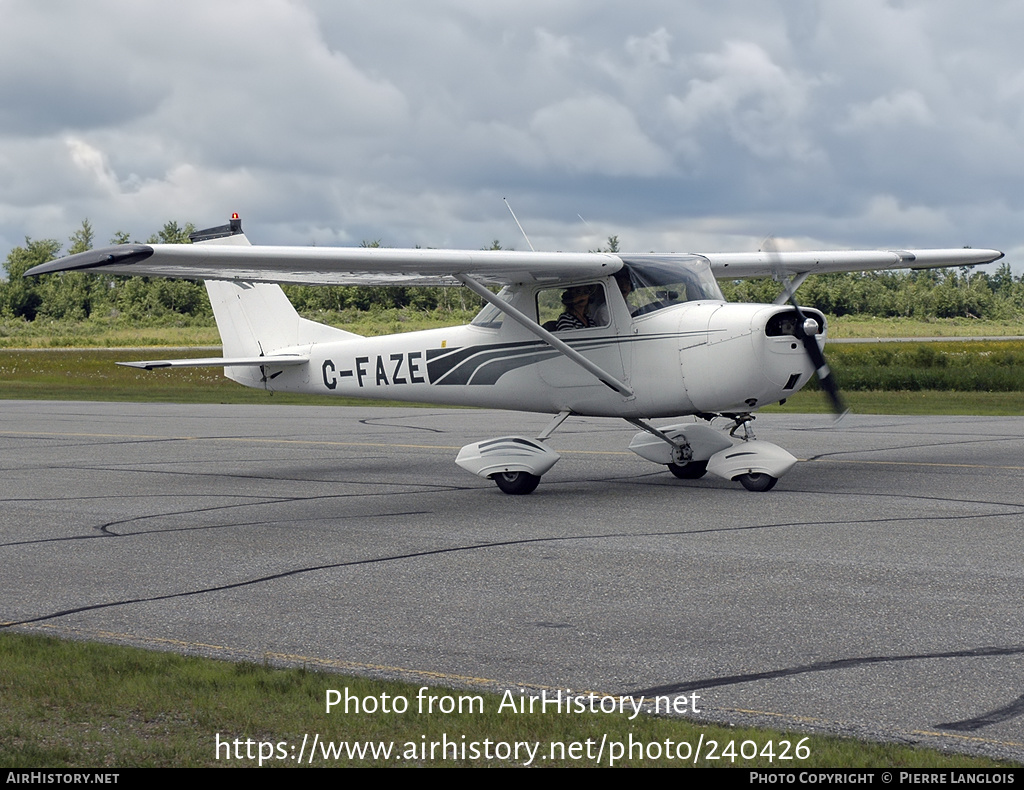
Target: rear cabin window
<point>573,307</point>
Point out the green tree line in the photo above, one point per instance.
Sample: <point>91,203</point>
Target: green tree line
<point>74,296</point>
<point>923,294</point>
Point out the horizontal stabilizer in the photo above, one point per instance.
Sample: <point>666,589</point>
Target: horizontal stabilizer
<point>280,361</point>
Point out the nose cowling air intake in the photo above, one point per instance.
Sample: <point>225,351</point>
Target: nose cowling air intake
<point>788,330</point>
<point>809,328</point>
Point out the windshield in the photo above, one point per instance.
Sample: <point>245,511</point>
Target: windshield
<point>659,281</point>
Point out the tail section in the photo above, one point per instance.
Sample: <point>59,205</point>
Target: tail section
<point>256,319</point>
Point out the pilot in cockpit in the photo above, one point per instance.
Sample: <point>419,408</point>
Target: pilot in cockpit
<point>577,303</point>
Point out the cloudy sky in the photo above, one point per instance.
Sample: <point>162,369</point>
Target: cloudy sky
<point>676,125</point>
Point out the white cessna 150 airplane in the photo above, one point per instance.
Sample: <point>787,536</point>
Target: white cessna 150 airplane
<point>638,337</point>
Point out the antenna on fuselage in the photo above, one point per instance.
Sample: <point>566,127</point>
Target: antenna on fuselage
<point>510,211</point>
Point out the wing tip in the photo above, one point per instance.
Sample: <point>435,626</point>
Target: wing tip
<point>94,259</point>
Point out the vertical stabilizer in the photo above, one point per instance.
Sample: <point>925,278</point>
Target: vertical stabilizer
<point>255,319</point>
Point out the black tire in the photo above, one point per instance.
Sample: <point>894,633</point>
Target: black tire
<point>757,481</point>
<point>516,483</point>
<point>691,471</point>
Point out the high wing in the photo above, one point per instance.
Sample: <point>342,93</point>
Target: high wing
<point>740,265</point>
<point>235,259</point>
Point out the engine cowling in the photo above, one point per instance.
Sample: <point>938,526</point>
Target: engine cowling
<point>752,357</point>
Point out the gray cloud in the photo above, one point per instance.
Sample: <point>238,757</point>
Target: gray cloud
<point>676,125</point>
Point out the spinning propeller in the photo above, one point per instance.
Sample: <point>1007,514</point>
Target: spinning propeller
<point>806,330</point>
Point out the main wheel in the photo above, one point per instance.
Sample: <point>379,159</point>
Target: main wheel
<point>516,482</point>
<point>757,481</point>
<point>690,471</point>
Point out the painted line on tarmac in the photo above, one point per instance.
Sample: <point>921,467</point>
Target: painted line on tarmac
<point>327,443</point>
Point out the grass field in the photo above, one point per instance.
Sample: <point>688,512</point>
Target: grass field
<point>856,326</point>
<point>72,705</point>
<point>981,404</point>
<point>92,374</point>
<point>113,333</point>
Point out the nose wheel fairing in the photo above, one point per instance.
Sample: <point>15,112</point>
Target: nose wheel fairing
<point>752,463</point>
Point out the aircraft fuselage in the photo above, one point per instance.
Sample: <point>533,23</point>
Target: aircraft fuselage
<point>702,356</point>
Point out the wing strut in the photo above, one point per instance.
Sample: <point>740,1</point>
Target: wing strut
<point>789,287</point>
<point>559,345</point>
